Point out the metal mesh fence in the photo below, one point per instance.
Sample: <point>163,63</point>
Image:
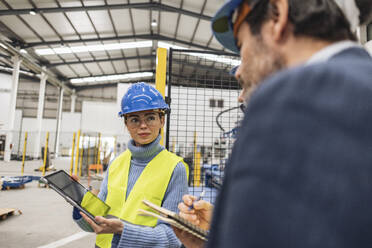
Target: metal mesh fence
<point>204,115</point>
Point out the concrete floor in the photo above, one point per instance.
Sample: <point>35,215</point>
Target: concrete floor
<point>46,219</point>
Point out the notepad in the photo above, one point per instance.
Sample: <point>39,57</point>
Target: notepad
<point>174,219</point>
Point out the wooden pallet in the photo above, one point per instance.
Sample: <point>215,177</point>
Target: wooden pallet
<point>5,212</point>
<point>22,186</point>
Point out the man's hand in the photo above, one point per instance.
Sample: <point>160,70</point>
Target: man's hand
<point>187,239</point>
<point>106,225</point>
<point>200,215</point>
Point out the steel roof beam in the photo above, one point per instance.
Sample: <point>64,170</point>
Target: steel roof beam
<point>153,6</point>
<point>101,60</point>
<point>109,84</point>
<point>5,56</point>
<point>125,37</point>
<point>62,42</point>
<point>139,71</point>
<point>91,84</point>
<point>33,66</point>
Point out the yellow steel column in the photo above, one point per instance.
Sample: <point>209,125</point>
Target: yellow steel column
<point>161,75</point>
<point>196,164</point>
<point>95,150</point>
<point>81,156</point>
<point>77,153</point>
<point>24,153</point>
<point>88,153</point>
<point>45,152</point>
<point>72,154</point>
<point>99,151</point>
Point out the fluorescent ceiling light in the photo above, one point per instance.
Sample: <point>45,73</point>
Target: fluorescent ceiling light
<point>154,23</point>
<point>212,57</point>
<point>115,77</point>
<point>93,48</point>
<point>32,12</point>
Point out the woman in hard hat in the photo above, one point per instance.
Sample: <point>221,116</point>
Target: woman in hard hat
<point>146,170</point>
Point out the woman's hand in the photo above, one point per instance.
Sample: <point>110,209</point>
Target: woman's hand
<point>106,225</point>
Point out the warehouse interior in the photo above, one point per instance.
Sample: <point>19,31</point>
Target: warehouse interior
<point>64,68</point>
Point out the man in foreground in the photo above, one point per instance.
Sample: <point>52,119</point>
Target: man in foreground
<point>300,173</point>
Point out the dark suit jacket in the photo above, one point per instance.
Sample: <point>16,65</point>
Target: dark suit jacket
<point>300,174</point>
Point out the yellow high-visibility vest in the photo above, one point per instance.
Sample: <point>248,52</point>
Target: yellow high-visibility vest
<point>150,185</point>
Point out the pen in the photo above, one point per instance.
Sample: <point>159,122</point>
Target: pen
<point>197,199</point>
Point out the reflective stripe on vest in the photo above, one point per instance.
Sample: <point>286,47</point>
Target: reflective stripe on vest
<point>151,185</point>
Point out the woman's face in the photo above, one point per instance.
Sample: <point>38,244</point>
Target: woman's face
<point>144,126</point>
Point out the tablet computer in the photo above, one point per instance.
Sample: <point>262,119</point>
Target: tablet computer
<point>76,194</point>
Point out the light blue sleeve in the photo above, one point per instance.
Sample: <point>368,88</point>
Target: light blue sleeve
<point>162,234</point>
<point>103,189</point>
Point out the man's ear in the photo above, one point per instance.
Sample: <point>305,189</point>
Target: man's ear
<point>280,18</point>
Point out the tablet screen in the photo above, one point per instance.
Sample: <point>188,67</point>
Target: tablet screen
<point>68,187</point>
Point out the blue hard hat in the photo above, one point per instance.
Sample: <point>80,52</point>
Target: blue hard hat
<point>140,97</point>
<point>222,23</point>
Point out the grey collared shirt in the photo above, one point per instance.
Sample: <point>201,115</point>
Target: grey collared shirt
<point>331,50</point>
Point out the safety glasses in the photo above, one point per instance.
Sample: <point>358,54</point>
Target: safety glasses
<point>151,119</point>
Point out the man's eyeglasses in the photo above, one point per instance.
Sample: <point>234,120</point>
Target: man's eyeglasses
<point>150,119</point>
